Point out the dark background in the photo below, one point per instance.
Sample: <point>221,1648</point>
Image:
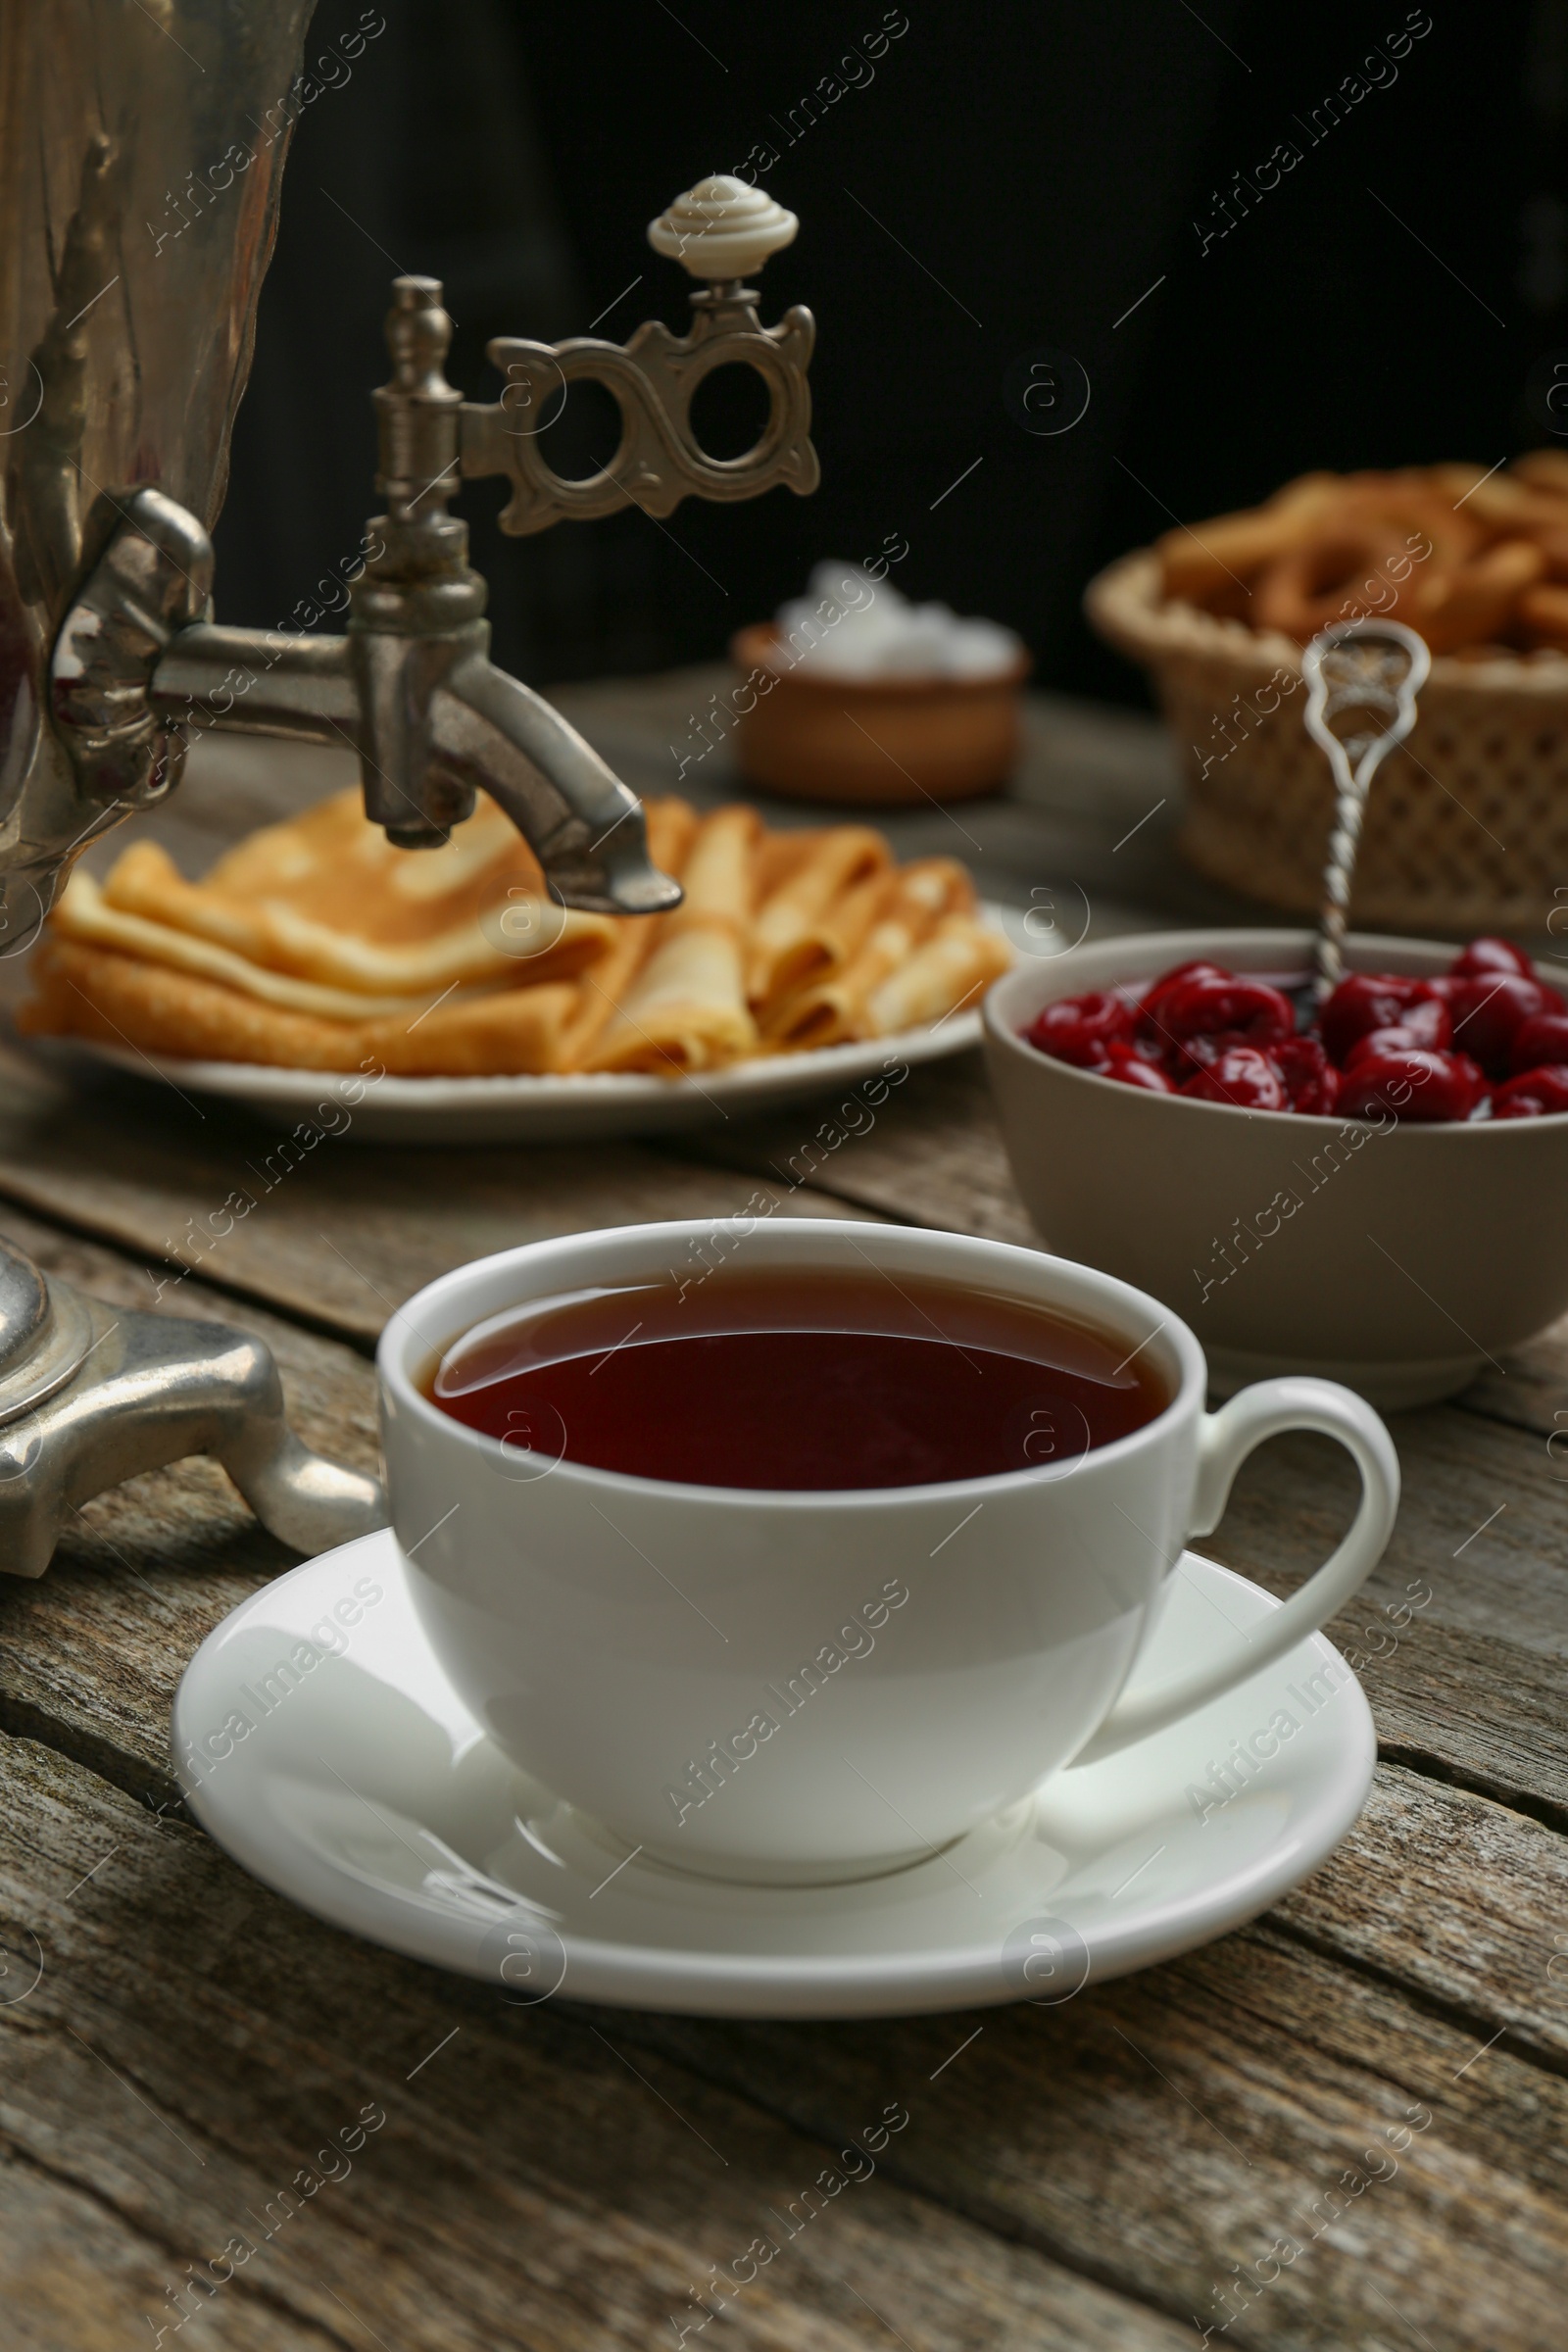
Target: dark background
<point>1032,170</point>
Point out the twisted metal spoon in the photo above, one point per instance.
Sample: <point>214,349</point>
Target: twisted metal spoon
<point>1375,667</point>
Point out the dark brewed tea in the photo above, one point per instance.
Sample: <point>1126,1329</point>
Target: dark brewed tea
<point>778,1377</point>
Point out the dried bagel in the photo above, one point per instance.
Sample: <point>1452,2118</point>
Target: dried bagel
<point>1467,558</point>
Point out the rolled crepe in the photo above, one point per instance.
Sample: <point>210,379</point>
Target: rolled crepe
<point>832,1011</point>
<point>514,1033</point>
<point>790,940</point>
<point>672,828</point>
<point>846,924</point>
<point>953,965</point>
<point>780,855</point>
<point>685,1013</point>
<point>686,1009</point>
<point>718,877</point>
<point>601,991</point>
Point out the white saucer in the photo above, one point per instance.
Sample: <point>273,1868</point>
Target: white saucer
<point>364,1790</point>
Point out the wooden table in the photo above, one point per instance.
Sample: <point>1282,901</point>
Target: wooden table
<point>1091,2177</point>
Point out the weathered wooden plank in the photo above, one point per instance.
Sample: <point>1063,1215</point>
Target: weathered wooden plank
<point>1462,1899</point>
<point>1531,1390</point>
<point>1225,2136</point>
<point>342,1237</point>
<point>195,2046</point>
<point>933,1156</point>
<point>57,2239</point>
<point>1470,1685</point>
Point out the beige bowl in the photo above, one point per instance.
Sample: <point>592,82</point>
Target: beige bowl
<point>1412,1255</point>
<point>893,740</point>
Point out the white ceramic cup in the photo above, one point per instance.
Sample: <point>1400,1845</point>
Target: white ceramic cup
<point>786,1687</point>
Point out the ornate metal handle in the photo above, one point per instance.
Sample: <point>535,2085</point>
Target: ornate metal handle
<point>1378,666</point>
<point>410,685</point>
<point>718,232</point>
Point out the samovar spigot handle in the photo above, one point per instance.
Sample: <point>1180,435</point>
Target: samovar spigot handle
<point>416,611</point>
<point>721,231</point>
<point>410,686</point>
<point>417,412</point>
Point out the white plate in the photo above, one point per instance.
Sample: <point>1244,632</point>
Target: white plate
<point>532,1111</point>
<point>362,1788</point>
<point>542,1110</point>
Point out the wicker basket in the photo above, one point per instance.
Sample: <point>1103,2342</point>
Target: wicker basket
<point>1466,826</point>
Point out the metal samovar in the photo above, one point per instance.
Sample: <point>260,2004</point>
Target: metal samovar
<point>141,152</point>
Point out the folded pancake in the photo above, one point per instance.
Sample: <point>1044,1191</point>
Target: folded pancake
<point>684,1014</point>
<point>685,1010</point>
<point>84,913</point>
<point>719,878</point>
<point>789,940</point>
<point>674,825</point>
<point>780,855</point>
<point>598,993</point>
<point>87,991</point>
<point>331,864</point>
<point>326,897</point>
<point>190,969</point>
<point>513,1033</point>
<point>834,1010</point>
<point>313,945</point>
<point>121,1000</point>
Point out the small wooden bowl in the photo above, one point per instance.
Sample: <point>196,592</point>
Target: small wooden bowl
<point>893,740</point>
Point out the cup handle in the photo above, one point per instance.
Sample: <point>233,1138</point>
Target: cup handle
<point>1224,1441</point>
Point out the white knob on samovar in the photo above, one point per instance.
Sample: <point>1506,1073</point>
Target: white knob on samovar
<point>722,229</point>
